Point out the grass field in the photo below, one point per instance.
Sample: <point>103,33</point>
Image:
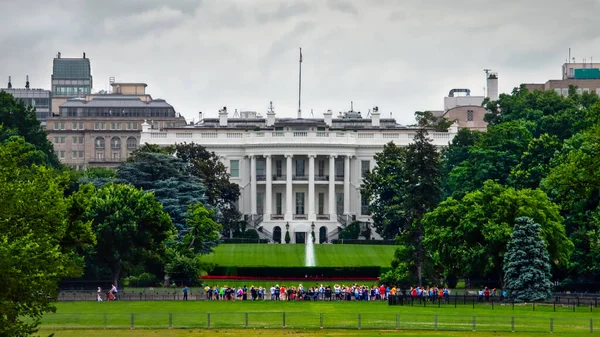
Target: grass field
<point>268,316</point>
<point>273,255</point>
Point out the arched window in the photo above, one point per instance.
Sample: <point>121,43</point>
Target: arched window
<point>322,234</point>
<point>115,143</point>
<point>99,142</point>
<point>277,234</point>
<point>131,143</point>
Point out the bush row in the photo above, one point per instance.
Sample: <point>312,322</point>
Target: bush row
<point>363,242</point>
<point>301,272</point>
<point>244,240</point>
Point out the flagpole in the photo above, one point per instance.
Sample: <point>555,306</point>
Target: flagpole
<point>300,85</point>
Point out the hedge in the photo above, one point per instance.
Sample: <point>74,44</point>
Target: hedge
<point>300,272</point>
<point>363,242</point>
<point>244,240</point>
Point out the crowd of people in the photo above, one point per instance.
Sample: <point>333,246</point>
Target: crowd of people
<point>318,292</point>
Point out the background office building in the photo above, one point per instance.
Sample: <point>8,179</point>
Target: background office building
<point>104,129</point>
<point>71,77</point>
<point>586,76</point>
<point>40,99</point>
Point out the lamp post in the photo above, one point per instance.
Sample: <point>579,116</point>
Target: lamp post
<point>287,226</point>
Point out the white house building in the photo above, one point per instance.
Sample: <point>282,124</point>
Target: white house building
<point>296,174</point>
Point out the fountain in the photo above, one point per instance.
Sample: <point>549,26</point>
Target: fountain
<point>309,259</point>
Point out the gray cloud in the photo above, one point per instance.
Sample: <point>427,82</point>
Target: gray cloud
<point>199,55</point>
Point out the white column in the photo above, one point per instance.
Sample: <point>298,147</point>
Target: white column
<point>332,208</point>
<point>268,190</point>
<point>346,185</point>
<point>288,187</point>
<point>253,185</point>
<point>311,187</point>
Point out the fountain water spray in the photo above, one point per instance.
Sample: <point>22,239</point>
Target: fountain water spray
<point>309,258</point>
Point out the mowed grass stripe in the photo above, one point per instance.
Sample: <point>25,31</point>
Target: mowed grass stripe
<point>293,255</point>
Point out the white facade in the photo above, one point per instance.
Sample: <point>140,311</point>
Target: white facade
<point>296,172</point>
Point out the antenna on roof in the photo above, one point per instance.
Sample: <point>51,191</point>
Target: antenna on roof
<point>351,106</point>
<point>9,83</point>
<point>58,55</point>
<point>200,116</point>
<point>369,113</point>
<point>236,114</point>
<point>26,81</point>
<point>311,113</point>
<point>271,109</point>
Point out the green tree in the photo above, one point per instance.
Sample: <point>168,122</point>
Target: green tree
<point>384,188</point>
<point>426,119</point>
<point>20,120</point>
<point>37,241</point>
<point>535,162</point>
<point>456,153</point>
<point>492,157</point>
<point>470,235</point>
<point>130,225</point>
<point>526,264</point>
<point>202,230</point>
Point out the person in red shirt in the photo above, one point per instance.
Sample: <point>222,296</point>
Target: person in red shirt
<point>382,292</point>
<point>486,294</point>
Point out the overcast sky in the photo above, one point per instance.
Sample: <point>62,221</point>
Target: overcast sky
<point>199,55</point>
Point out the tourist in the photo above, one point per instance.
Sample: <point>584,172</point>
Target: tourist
<point>244,293</point>
<point>99,298</point>
<point>185,293</point>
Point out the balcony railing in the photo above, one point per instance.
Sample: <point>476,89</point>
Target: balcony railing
<point>261,177</point>
<point>277,216</point>
<point>321,178</point>
<point>339,178</point>
<point>300,177</point>
<point>279,177</point>
<point>300,217</point>
<point>322,216</point>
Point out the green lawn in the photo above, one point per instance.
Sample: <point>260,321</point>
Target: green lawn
<point>275,255</point>
<point>309,315</point>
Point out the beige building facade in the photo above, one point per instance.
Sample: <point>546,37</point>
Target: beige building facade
<point>103,130</point>
<point>585,76</point>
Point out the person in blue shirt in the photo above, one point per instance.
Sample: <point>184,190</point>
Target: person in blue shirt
<point>185,293</point>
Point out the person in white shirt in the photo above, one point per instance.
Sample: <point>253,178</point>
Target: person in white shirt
<point>99,295</point>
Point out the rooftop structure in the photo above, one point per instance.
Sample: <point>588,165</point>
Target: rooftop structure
<point>40,99</point>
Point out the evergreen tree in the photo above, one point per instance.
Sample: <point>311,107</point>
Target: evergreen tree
<point>527,264</point>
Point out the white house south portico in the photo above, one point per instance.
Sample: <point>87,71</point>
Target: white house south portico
<point>296,175</point>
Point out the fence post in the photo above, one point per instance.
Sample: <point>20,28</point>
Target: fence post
<point>283,320</point>
<point>397,321</point>
<point>492,303</point>
<point>473,302</point>
<point>551,325</point>
<point>105,320</point>
<point>321,318</point>
<point>246,326</point>
<point>591,310</point>
<point>455,302</point>
<point>591,325</point>
<point>439,302</point>
<point>474,323</point>
<point>533,306</point>
<point>170,320</point>
<point>208,320</point>
<point>132,322</point>
<point>555,304</point>
<point>512,324</point>
<point>435,321</point>
<point>359,324</point>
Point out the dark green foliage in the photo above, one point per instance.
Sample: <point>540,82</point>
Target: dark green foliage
<point>526,264</point>
<point>19,120</point>
<point>287,237</point>
<point>186,269</point>
<point>301,272</point>
<point>364,242</point>
<point>426,119</point>
<point>351,232</point>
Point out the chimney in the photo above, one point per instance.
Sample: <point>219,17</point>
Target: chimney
<point>83,54</point>
<point>492,86</point>
<point>375,117</point>
<point>271,115</point>
<point>9,83</point>
<point>58,55</point>
<point>27,82</point>
<point>145,126</point>
<point>328,117</point>
<point>453,129</point>
<point>223,116</point>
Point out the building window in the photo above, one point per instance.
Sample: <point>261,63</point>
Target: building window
<point>278,204</point>
<point>62,125</point>
<point>62,140</point>
<point>565,92</point>
<point>55,125</point>
<point>321,168</point>
<point>134,125</point>
<point>131,143</point>
<point>260,201</point>
<point>80,154</point>
<point>56,140</point>
<point>364,204</point>
<point>300,203</point>
<point>558,91</point>
<point>103,126</point>
<point>74,154</point>
<point>99,143</point>
<point>80,139</point>
<point>75,139</point>
<point>364,167</point>
<point>339,203</point>
<point>99,155</point>
<point>260,169</point>
<point>339,168</point>
<point>62,154</point>
<point>97,126</point>
<point>300,169</point>
<point>234,168</point>
<point>73,125</point>
<point>598,91</point>
<point>321,204</point>
<point>115,143</point>
<point>116,155</point>
<point>81,126</point>
<point>586,90</point>
<point>469,115</point>
<point>278,168</point>
<point>128,125</point>
<point>579,91</point>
